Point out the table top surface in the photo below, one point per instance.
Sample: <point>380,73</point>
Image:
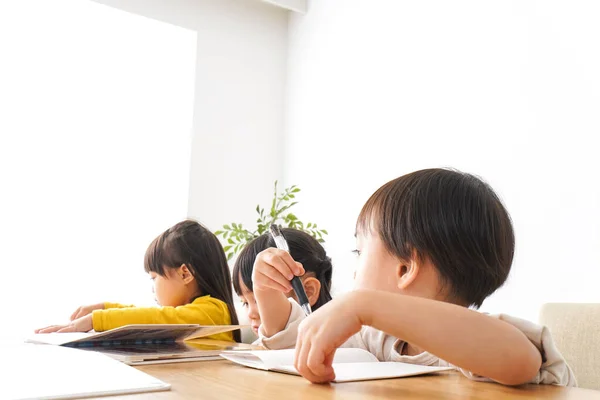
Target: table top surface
<point>224,380</point>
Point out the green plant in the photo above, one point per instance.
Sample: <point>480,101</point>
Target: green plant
<point>236,236</point>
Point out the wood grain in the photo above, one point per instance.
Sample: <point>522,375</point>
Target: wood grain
<point>225,380</point>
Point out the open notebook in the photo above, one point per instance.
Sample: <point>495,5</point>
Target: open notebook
<point>349,364</point>
<point>52,372</point>
<point>147,344</point>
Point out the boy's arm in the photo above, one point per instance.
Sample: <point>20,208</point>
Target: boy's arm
<point>468,339</point>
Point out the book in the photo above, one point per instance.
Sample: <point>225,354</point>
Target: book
<point>148,344</point>
<point>350,365</point>
<point>56,372</point>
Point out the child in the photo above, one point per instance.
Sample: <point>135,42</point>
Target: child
<point>191,282</point>
<point>305,250</point>
<point>430,244</point>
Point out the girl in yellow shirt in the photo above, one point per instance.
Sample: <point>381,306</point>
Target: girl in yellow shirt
<point>191,282</point>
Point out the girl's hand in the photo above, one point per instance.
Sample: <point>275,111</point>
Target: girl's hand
<point>274,269</point>
<point>322,333</point>
<point>85,310</point>
<point>83,324</point>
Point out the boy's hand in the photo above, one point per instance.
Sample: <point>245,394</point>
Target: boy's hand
<point>83,324</point>
<point>85,310</point>
<point>274,269</point>
<point>322,333</point>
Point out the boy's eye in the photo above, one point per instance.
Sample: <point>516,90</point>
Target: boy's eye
<point>356,251</point>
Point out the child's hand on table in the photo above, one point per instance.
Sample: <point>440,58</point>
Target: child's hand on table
<point>321,333</point>
<point>83,324</point>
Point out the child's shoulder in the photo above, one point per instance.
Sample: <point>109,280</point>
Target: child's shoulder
<point>208,300</point>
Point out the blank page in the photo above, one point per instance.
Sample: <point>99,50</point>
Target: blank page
<point>269,359</point>
<point>350,372</point>
<point>50,372</point>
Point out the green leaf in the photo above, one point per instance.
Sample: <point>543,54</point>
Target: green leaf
<point>291,196</point>
<point>230,241</point>
<point>217,233</point>
<point>324,231</point>
<point>308,226</point>
<point>225,235</point>
<point>226,248</point>
<point>227,227</point>
<point>295,189</point>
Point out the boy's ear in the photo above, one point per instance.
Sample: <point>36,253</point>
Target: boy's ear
<point>185,274</point>
<point>312,287</point>
<point>406,273</point>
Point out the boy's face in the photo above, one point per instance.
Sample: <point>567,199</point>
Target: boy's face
<point>376,268</point>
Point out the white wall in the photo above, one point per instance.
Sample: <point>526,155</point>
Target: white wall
<point>94,153</point>
<point>506,90</point>
<point>239,108</point>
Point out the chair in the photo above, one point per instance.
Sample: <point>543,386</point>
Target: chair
<point>575,328</point>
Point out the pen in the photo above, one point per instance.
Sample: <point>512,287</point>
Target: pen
<point>281,243</point>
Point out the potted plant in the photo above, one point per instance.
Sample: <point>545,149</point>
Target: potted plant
<point>236,236</point>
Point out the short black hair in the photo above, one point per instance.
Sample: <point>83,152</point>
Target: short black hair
<point>454,219</point>
<point>304,249</point>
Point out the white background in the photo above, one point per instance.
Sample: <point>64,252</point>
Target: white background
<point>506,90</point>
<point>115,124</point>
<point>95,140</point>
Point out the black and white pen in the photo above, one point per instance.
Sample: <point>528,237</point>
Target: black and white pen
<point>281,243</point>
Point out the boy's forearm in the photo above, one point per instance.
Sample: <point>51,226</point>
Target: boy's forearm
<point>468,339</point>
<point>274,309</point>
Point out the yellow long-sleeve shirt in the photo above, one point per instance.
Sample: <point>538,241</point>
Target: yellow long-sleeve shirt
<point>204,310</point>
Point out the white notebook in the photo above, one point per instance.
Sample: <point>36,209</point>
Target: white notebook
<point>349,364</point>
<point>53,372</point>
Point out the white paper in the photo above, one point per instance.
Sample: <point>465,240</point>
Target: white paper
<point>351,372</point>
<point>58,338</point>
<point>269,359</point>
<point>53,372</point>
<point>349,364</point>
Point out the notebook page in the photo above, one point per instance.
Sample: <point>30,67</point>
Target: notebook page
<point>54,372</point>
<point>351,372</point>
<point>58,338</point>
<point>208,330</point>
<point>270,359</point>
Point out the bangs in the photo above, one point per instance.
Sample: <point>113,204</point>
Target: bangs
<point>242,270</point>
<point>377,212</point>
<point>388,213</point>
<point>154,260</point>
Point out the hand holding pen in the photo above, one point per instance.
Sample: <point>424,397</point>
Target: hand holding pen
<point>281,243</point>
<point>275,269</point>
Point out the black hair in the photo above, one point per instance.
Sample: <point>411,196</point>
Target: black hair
<point>452,218</point>
<point>192,244</point>
<point>304,249</point>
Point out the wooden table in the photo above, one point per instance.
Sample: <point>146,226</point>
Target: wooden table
<point>225,380</point>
